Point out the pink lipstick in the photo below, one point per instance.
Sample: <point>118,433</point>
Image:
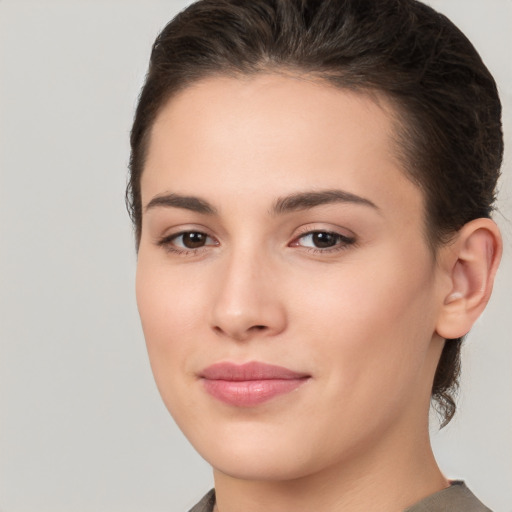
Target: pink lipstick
<point>249,384</point>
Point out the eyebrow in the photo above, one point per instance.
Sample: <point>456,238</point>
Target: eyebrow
<point>192,203</point>
<point>293,202</point>
<point>307,200</point>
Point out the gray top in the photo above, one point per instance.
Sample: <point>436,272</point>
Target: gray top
<point>456,498</point>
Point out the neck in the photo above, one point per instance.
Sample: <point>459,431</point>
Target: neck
<point>382,479</point>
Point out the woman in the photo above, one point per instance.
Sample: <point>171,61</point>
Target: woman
<point>311,187</point>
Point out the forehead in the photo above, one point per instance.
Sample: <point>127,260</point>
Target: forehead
<point>274,107</point>
<point>273,135</point>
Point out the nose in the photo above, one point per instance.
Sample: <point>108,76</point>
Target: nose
<point>247,303</point>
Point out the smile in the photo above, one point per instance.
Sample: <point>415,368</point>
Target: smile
<point>249,384</point>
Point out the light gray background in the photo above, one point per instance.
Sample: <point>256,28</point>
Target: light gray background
<point>81,426</point>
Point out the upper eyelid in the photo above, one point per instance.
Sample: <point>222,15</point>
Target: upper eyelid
<point>343,239</point>
<point>315,228</point>
<point>167,243</point>
<point>316,231</point>
<point>181,233</point>
<point>302,231</point>
<point>173,231</point>
<point>171,236</point>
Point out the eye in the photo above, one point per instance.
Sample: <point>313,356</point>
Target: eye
<point>187,241</point>
<point>190,240</point>
<point>323,240</point>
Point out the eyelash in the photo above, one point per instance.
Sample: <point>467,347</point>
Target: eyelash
<point>342,242</point>
<point>168,243</point>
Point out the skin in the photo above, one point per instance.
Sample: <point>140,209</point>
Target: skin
<point>360,318</point>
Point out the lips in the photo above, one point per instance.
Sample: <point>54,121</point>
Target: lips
<point>249,384</point>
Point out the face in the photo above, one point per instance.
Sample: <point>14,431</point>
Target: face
<point>287,293</point>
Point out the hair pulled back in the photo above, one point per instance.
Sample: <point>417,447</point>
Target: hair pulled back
<point>447,104</point>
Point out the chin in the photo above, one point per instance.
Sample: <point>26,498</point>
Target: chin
<point>259,466</point>
<point>261,453</point>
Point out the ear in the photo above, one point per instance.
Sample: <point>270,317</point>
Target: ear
<point>470,264</point>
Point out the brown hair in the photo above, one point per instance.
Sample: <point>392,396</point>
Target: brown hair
<point>447,102</point>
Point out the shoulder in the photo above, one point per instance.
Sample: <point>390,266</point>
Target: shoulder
<point>456,498</point>
<point>206,504</point>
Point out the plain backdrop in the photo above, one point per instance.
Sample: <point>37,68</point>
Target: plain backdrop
<point>82,427</point>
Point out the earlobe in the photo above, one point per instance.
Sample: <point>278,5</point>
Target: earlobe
<point>471,265</point>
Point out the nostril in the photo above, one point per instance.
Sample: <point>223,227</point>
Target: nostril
<point>239,335</point>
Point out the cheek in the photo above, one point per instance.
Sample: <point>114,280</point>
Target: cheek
<point>374,320</point>
<point>166,298</point>
<point>169,306</point>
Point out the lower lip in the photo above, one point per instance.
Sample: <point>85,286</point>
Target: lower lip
<point>249,393</point>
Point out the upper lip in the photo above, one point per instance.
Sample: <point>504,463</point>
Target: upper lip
<point>253,370</point>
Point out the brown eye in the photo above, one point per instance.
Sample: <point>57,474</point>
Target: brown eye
<point>187,241</point>
<point>192,240</point>
<point>323,240</point>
